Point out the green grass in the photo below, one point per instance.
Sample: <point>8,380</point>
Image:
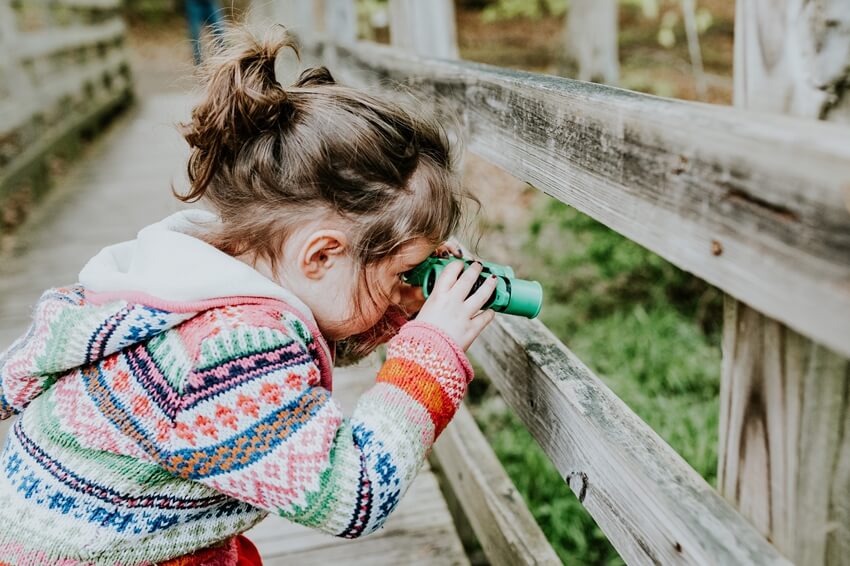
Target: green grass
<point>648,329</point>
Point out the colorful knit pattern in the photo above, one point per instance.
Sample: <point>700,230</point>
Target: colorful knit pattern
<point>149,433</point>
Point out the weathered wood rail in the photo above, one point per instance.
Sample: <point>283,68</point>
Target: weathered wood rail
<point>756,204</point>
<point>63,66</point>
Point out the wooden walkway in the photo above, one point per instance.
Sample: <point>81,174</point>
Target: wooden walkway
<point>123,184</point>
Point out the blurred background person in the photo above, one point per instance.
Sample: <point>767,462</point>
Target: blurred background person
<point>201,13</point>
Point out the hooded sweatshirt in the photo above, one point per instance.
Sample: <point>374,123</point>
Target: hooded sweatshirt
<point>175,396</point>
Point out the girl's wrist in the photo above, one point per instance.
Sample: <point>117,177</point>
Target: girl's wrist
<point>444,343</point>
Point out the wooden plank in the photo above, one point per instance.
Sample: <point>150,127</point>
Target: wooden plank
<point>56,40</point>
<point>754,204</point>
<point>57,134</point>
<point>17,112</point>
<point>17,82</point>
<point>92,4</point>
<point>502,523</point>
<point>784,455</point>
<point>421,547</point>
<point>653,507</point>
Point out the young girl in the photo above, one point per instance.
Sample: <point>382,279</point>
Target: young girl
<point>182,390</point>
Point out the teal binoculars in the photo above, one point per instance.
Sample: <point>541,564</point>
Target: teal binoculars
<point>512,295</point>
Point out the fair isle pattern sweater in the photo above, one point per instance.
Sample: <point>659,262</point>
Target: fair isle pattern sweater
<point>149,429</point>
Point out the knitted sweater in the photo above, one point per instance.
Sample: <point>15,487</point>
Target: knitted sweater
<point>157,418</point>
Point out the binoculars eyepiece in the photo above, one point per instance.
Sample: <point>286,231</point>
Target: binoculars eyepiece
<point>512,296</point>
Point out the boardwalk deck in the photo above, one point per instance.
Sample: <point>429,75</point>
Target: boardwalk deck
<point>123,185</point>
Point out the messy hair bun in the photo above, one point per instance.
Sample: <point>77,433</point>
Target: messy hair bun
<point>269,156</point>
<point>243,99</point>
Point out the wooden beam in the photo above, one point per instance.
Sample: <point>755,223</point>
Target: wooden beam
<point>44,43</point>
<point>425,28</point>
<point>16,113</point>
<point>502,523</point>
<point>650,503</point>
<point>754,204</point>
<point>59,133</point>
<point>784,456</point>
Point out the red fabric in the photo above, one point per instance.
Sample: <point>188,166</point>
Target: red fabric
<point>247,553</point>
<point>238,551</point>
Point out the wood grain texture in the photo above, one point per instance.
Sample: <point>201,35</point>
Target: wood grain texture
<point>792,57</point>
<point>502,523</point>
<point>44,43</point>
<point>784,455</point>
<point>652,505</point>
<point>66,69</point>
<point>754,204</point>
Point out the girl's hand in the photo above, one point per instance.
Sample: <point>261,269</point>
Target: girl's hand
<point>449,247</point>
<point>449,309</point>
<point>412,297</point>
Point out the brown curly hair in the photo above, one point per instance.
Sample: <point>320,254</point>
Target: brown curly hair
<point>269,157</point>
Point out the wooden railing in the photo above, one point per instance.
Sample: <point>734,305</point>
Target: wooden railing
<point>636,163</point>
<point>756,204</point>
<point>62,67</point>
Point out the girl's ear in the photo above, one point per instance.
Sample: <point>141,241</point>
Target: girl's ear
<point>322,250</point>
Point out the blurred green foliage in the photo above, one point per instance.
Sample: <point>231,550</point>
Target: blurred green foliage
<point>532,9</point>
<point>649,330</point>
<point>494,10</point>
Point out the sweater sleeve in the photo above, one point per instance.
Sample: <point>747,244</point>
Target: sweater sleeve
<point>258,426</point>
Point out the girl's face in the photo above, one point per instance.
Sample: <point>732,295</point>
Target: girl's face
<point>380,287</point>
<point>319,270</point>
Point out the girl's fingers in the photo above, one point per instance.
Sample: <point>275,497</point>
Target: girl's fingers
<point>449,247</point>
<point>480,321</point>
<point>447,279</point>
<point>476,301</point>
<point>467,280</point>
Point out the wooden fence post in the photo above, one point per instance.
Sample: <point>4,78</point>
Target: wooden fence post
<point>426,28</point>
<point>297,15</point>
<point>784,456</point>
<point>590,38</point>
<point>340,27</point>
<point>341,21</point>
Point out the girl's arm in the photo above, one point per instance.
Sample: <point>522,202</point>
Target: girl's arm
<point>68,332</point>
<point>256,425</point>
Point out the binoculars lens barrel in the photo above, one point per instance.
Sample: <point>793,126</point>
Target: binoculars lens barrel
<point>512,296</point>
